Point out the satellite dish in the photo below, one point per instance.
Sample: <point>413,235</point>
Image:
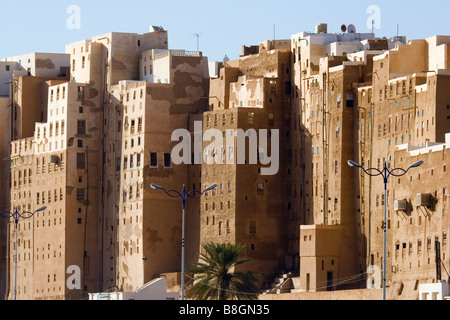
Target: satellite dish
<point>156,28</point>
<point>351,28</point>
<point>343,28</point>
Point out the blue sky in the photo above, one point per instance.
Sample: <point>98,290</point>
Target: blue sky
<point>224,26</point>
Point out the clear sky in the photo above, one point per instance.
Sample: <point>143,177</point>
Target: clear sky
<point>224,26</point>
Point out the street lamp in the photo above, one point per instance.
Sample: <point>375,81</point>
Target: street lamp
<point>385,173</point>
<point>17,216</point>
<point>183,195</point>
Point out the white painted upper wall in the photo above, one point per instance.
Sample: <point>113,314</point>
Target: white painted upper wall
<point>439,52</point>
<point>328,38</point>
<point>7,70</point>
<point>213,68</point>
<point>35,64</point>
<point>40,64</point>
<point>430,147</point>
<point>156,64</point>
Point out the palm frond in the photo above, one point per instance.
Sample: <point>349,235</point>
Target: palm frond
<point>212,278</point>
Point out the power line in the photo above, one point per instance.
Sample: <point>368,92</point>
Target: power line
<point>351,279</point>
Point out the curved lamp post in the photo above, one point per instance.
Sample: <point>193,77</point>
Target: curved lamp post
<point>17,216</point>
<point>385,173</point>
<point>183,195</point>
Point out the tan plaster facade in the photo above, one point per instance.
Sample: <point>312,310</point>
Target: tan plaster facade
<point>360,106</point>
<point>93,143</point>
<point>249,208</point>
<point>146,114</point>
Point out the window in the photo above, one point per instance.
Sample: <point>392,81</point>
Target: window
<point>80,143</point>
<point>80,194</point>
<point>252,227</point>
<point>154,159</point>
<point>138,160</point>
<point>350,101</point>
<point>125,163</point>
<point>81,127</point>
<point>80,110</point>
<point>118,164</point>
<point>167,160</point>
<point>260,189</point>
<point>80,92</point>
<point>251,117</point>
<point>81,161</point>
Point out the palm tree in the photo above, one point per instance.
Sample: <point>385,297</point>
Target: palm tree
<point>214,277</point>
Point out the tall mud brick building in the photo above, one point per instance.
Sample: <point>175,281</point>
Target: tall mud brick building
<point>87,132</point>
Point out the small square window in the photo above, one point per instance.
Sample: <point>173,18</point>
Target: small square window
<point>80,143</point>
<point>153,159</point>
<point>167,160</point>
<point>81,109</point>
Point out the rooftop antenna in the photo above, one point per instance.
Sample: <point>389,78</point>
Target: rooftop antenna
<point>373,25</point>
<point>398,26</point>
<point>274,28</point>
<point>197,35</point>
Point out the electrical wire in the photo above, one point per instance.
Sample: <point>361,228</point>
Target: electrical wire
<point>351,279</point>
